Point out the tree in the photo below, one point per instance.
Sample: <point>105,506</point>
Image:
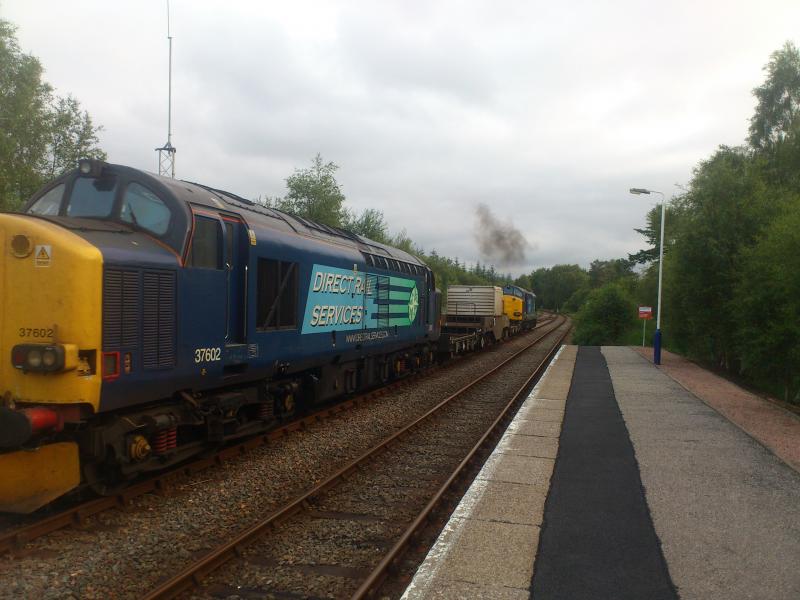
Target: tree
<point>768,301</point>
<point>607,317</point>
<point>602,272</point>
<point>371,224</point>
<point>778,98</point>
<point>652,233</point>
<point>728,204</point>
<point>43,134</point>
<point>23,114</point>
<point>73,136</point>
<point>315,194</point>
<point>553,286</point>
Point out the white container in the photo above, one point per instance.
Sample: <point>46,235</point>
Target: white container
<point>477,300</point>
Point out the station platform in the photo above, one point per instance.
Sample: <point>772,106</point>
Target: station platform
<point>614,480</point>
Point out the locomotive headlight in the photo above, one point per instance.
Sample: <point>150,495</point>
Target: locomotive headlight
<point>49,358</point>
<point>88,167</point>
<point>34,359</point>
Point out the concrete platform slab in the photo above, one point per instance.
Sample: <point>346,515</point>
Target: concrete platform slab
<point>493,552</point>
<point>540,428</point>
<point>550,415</point>
<point>556,389</point>
<point>548,403</point>
<point>460,590</point>
<point>527,470</point>
<point>529,445</point>
<point>509,503</point>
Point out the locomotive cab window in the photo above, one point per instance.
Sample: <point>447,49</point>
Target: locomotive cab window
<point>206,249</point>
<point>92,197</point>
<point>143,208</point>
<point>277,294</point>
<point>50,203</point>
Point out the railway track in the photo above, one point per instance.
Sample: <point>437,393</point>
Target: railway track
<point>16,531</point>
<point>343,536</point>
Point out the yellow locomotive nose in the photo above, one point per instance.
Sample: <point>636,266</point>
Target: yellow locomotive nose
<point>50,339</point>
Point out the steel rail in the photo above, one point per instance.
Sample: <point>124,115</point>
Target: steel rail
<point>379,573</point>
<point>14,538</point>
<point>192,575</point>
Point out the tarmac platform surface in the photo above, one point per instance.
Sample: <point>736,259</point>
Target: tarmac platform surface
<point>646,492</point>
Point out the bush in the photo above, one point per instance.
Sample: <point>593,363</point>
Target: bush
<point>606,318</point>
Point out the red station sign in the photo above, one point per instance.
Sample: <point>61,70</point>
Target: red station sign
<point>645,312</point>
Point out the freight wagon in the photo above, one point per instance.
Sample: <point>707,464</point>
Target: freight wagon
<point>473,318</point>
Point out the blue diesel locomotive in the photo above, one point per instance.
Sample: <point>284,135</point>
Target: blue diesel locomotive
<point>145,318</point>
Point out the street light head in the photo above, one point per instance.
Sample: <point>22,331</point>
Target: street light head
<point>639,191</point>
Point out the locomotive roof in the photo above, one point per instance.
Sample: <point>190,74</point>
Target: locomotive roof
<point>519,287</point>
<point>271,218</point>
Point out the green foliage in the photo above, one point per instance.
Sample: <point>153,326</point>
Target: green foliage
<point>576,300</point>
<point>727,206</point>
<point>778,98</point>
<point>555,285</point>
<point>652,233</point>
<point>602,272</point>
<point>73,136</point>
<point>371,224</point>
<point>314,193</point>
<point>43,134</point>
<point>607,317</point>
<point>768,307</point>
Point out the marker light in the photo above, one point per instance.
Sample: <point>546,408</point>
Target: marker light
<point>110,365</point>
<point>85,166</point>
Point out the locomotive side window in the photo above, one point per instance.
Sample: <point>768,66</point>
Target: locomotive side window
<point>229,243</point>
<point>205,252</point>
<point>92,197</point>
<point>277,294</point>
<point>142,207</point>
<point>50,203</point>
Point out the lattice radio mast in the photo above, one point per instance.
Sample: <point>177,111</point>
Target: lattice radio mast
<point>166,154</point>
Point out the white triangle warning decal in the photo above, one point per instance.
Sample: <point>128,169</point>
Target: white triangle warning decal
<point>43,255</point>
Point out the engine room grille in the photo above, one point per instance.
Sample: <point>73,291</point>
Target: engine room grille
<point>121,302</point>
<point>131,297</point>
<point>158,319</point>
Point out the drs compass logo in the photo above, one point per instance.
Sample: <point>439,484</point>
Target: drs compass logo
<point>413,304</point>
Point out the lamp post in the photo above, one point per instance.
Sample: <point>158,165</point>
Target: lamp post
<point>657,336</point>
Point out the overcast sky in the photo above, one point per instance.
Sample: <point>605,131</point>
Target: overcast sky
<point>547,114</point>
